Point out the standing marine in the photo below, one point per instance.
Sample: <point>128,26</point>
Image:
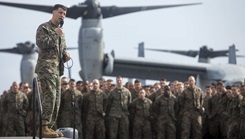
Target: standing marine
<point>52,54</point>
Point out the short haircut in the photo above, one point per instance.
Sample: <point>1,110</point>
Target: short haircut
<point>228,87</point>
<point>72,80</point>
<point>220,83</point>
<point>57,6</point>
<point>118,77</point>
<point>208,86</point>
<point>109,80</point>
<point>101,79</point>
<point>137,81</point>
<point>79,82</point>
<point>180,83</point>
<point>163,79</point>
<point>96,81</point>
<point>214,83</point>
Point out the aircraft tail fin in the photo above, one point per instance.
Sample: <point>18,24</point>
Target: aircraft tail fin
<point>141,50</point>
<point>232,55</point>
<point>141,53</point>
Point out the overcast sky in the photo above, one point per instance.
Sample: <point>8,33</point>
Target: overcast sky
<point>216,23</point>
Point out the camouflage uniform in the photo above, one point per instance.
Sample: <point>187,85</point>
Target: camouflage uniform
<point>153,97</point>
<point>15,105</point>
<point>1,115</point>
<point>217,106</point>
<point>179,115</point>
<point>205,121</point>
<point>140,110</point>
<point>242,118</point>
<point>117,112</point>
<point>134,94</point>
<point>191,100</point>
<point>214,117</point>
<point>223,120</point>
<point>165,108</point>
<point>233,118</point>
<point>50,66</point>
<point>94,108</point>
<point>66,113</point>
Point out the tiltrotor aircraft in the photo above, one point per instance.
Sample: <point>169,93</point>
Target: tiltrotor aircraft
<point>95,63</point>
<point>28,61</point>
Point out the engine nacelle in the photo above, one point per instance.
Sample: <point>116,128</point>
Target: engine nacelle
<point>91,50</point>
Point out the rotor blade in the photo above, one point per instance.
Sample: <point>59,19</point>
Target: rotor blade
<point>71,48</point>
<point>218,53</point>
<point>75,11</point>
<point>72,12</point>
<point>11,50</point>
<point>110,11</point>
<point>189,53</point>
<point>240,56</point>
<point>42,8</point>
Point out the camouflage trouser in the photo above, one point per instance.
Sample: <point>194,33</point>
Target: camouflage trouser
<point>217,127</point>
<point>1,123</point>
<point>118,128</point>
<point>233,129</point>
<point>166,128</point>
<point>67,120</point>
<point>242,129</point>
<point>205,127</point>
<point>191,125</point>
<point>14,125</point>
<point>141,128</point>
<point>95,128</point>
<point>50,84</point>
<point>178,125</point>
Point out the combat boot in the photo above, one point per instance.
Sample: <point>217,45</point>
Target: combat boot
<point>59,133</point>
<point>46,133</point>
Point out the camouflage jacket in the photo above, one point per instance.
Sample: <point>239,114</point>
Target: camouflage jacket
<point>118,102</point>
<point>232,110</point>
<point>166,107</point>
<point>94,104</point>
<point>242,109</point>
<point>214,106</point>
<point>68,98</point>
<point>156,94</point>
<point>191,99</point>
<point>141,108</point>
<point>206,105</point>
<point>134,94</point>
<point>52,49</point>
<point>15,103</point>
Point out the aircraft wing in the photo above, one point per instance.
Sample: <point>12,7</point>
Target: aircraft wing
<point>11,50</point>
<point>155,70</point>
<point>111,11</point>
